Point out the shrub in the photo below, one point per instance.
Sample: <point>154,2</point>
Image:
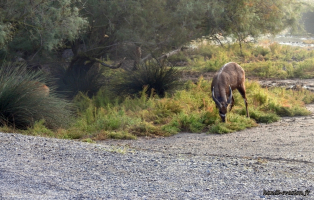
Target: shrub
<point>154,77</point>
<point>191,122</point>
<point>21,103</point>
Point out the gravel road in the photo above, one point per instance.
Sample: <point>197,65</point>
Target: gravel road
<point>252,164</point>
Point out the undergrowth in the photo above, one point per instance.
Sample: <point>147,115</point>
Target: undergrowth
<point>187,110</point>
<point>191,109</point>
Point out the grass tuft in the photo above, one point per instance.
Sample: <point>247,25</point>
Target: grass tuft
<point>153,77</point>
<point>23,101</point>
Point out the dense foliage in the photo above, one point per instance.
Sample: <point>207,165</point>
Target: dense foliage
<point>242,18</point>
<point>34,30</point>
<point>29,28</point>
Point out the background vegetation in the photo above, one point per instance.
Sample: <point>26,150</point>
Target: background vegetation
<point>265,59</point>
<point>112,65</point>
<point>190,109</point>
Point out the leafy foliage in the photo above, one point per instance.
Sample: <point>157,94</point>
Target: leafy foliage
<point>33,25</point>
<point>241,18</point>
<point>156,26</point>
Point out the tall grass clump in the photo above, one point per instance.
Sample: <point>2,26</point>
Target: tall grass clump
<point>22,102</point>
<point>155,77</point>
<point>75,79</point>
<point>290,102</point>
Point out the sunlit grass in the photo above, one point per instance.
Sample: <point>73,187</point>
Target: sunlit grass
<point>265,60</point>
<point>187,110</point>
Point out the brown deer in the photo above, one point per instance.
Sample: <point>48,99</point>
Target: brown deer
<point>231,76</point>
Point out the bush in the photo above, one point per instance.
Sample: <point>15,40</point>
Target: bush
<point>22,101</point>
<point>156,78</point>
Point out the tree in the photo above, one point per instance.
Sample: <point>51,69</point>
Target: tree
<point>136,29</point>
<point>242,18</point>
<point>30,27</point>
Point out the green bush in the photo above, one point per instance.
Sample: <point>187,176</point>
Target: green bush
<point>23,102</point>
<point>180,57</point>
<point>260,116</point>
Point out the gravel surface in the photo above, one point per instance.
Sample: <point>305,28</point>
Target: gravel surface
<point>274,157</point>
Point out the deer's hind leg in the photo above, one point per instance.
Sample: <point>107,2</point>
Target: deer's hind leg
<point>242,92</point>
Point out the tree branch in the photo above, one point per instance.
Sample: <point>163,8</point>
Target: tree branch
<point>167,55</point>
<point>110,66</point>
